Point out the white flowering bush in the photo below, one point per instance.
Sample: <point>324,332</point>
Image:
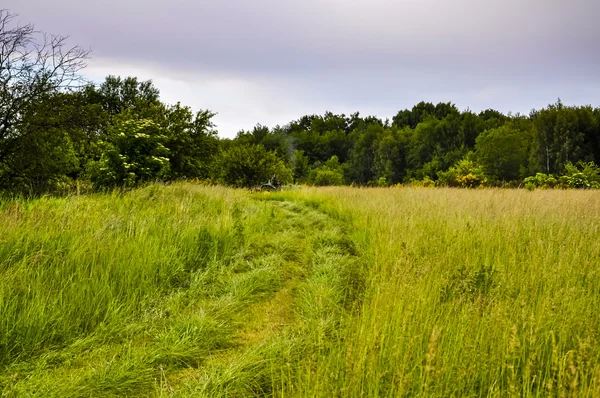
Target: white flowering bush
<point>134,152</point>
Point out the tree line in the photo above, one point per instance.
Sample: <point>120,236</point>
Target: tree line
<point>58,131</point>
<point>439,145</point>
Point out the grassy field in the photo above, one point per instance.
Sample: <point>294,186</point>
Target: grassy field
<point>186,290</point>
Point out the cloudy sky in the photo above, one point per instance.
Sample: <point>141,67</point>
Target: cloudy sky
<point>272,61</point>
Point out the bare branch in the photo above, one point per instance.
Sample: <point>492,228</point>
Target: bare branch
<point>33,65</point>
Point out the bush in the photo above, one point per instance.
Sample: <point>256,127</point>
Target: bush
<point>330,173</point>
<point>44,161</point>
<point>328,177</point>
<point>383,182</point>
<point>248,166</point>
<point>465,174</point>
<point>426,182</point>
<point>133,153</point>
<point>540,180</point>
<point>582,176</point>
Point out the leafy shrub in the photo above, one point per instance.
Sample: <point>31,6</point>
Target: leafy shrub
<point>40,163</point>
<point>582,175</point>
<point>133,153</point>
<point>249,165</point>
<point>330,173</point>
<point>465,174</point>
<point>382,182</point>
<point>426,182</point>
<point>540,180</point>
<point>328,177</point>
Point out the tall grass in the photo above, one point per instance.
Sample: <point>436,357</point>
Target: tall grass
<point>72,265</point>
<point>205,291</point>
<point>115,288</point>
<point>470,293</point>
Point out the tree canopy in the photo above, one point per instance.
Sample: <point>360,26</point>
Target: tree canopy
<point>58,130</point>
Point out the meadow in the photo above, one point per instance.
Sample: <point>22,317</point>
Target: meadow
<point>190,290</point>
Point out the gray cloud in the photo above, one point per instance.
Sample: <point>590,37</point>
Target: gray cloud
<point>371,55</point>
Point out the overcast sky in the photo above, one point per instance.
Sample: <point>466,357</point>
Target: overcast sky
<point>272,61</point>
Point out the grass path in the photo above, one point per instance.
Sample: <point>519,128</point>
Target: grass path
<point>197,291</point>
<point>286,329</point>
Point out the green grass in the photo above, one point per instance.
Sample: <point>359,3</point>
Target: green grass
<point>470,293</point>
<point>186,290</point>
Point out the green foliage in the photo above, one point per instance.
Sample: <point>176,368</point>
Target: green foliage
<point>134,153</point>
<point>438,144</point>
<point>421,112</point>
<point>565,134</point>
<point>583,175</point>
<point>383,182</point>
<point>43,154</point>
<point>465,174</point>
<point>503,152</point>
<point>40,163</point>
<point>327,177</point>
<point>390,157</point>
<point>248,166</point>
<point>426,182</point>
<point>300,165</point>
<point>330,173</point>
<point>274,140</point>
<point>34,68</point>
<point>191,141</point>
<point>540,180</point>
<point>362,158</point>
<point>117,94</point>
<point>53,136</point>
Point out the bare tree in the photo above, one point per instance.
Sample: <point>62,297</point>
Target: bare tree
<point>33,65</point>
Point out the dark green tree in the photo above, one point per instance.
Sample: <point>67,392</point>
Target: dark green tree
<point>503,152</point>
<point>560,135</point>
<point>117,94</point>
<point>300,165</point>
<point>390,157</point>
<point>191,140</point>
<point>34,68</point>
<point>362,157</point>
